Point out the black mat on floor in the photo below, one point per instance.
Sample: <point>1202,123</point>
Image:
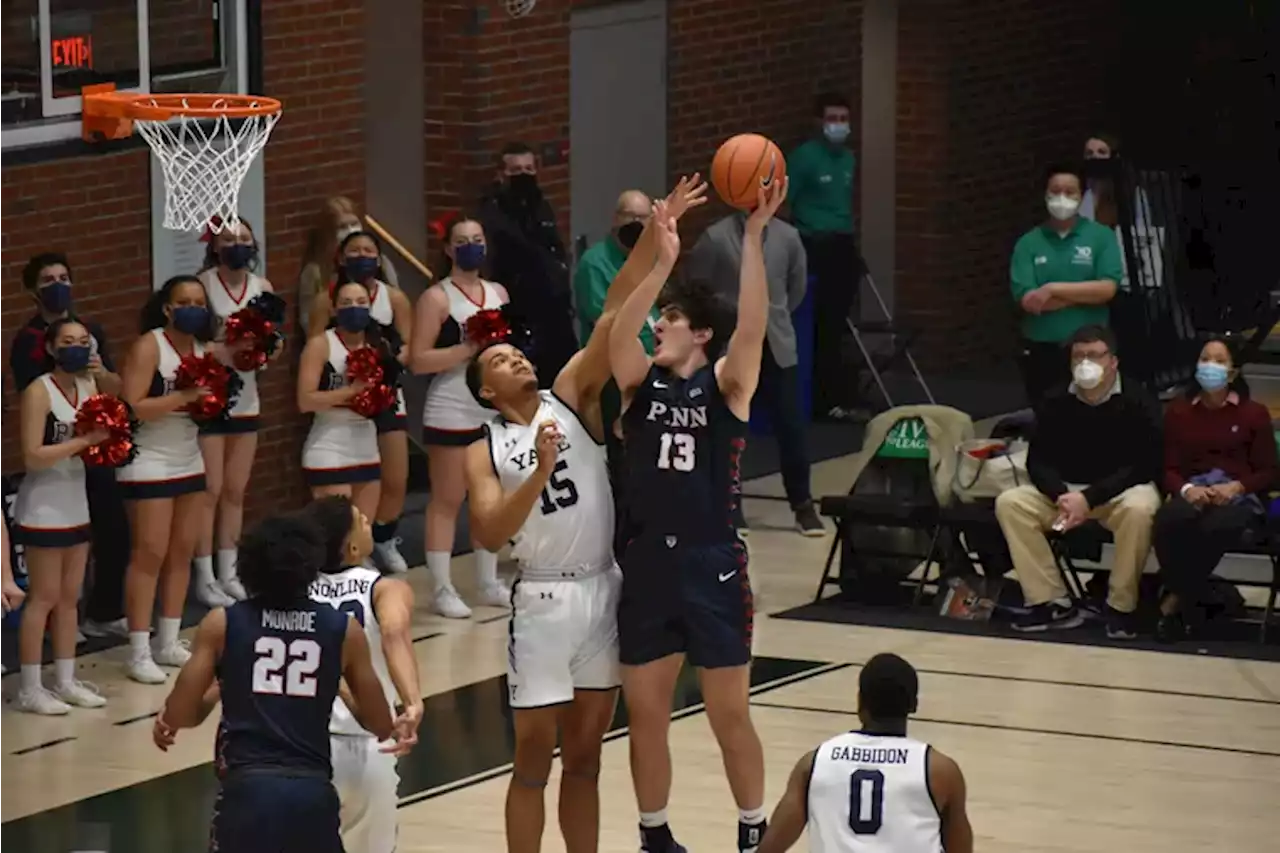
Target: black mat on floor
<point>1237,640</point>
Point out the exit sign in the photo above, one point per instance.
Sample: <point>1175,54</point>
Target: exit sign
<point>73,52</point>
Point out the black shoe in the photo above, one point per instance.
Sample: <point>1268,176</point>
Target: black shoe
<point>1120,626</point>
<point>1050,616</point>
<point>1171,628</point>
<point>658,839</point>
<point>750,835</point>
<point>808,522</point>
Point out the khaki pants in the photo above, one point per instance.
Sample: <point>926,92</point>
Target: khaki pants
<point>1025,515</point>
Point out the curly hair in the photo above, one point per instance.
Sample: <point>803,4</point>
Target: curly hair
<point>332,515</point>
<point>279,557</point>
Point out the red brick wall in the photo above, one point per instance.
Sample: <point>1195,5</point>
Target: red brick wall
<point>989,93</point>
<point>97,210</point>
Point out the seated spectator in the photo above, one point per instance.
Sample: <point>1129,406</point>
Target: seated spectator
<point>1219,463</point>
<point>599,265</point>
<point>1093,456</point>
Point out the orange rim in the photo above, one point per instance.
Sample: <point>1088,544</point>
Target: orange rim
<point>162,107</point>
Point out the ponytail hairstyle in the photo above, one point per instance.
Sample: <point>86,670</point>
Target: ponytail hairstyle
<point>339,257</point>
<point>153,316</point>
<point>210,241</point>
<point>375,334</point>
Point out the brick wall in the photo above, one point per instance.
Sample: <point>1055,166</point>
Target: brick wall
<point>97,210</point>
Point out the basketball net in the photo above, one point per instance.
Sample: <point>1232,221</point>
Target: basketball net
<point>204,162</point>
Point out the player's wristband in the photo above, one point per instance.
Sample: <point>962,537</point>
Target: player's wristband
<point>1182,493</point>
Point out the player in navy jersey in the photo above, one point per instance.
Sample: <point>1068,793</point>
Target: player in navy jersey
<point>277,658</point>
<point>685,589</point>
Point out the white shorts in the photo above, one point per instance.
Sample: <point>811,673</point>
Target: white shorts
<point>366,782</point>
<point>564,637</point>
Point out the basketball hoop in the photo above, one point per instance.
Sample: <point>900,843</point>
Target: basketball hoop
<point>205,145</point>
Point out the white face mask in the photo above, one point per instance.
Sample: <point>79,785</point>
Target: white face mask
<point>1087,374</point>
<point>344,230</point>
<point>836,131</point>
<point>1062,207</point>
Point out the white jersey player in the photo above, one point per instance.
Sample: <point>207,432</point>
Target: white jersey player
<point>875,790</point>
<point>364,771</point>
<point>541,480</point>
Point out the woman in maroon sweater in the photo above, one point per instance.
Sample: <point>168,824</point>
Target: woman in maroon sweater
<point>1219,463</point>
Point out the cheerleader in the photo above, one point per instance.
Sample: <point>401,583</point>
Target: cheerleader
<point>51,520</point>
<point>337,218</point>
<point>340,454</point>
<point>228,445</point>
<point>452,419</point>
<point>360,259</point>
<point>164,486</point>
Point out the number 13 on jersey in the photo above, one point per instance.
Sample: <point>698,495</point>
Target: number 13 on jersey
<point>676,452</point>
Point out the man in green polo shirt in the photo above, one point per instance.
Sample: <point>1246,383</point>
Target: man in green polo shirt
<point>600,264</point>
<point>820,193</point>
<point>1063,273</point>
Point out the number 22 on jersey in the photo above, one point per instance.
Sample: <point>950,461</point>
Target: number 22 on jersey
<point>676,452</point>
<point>286,669</point>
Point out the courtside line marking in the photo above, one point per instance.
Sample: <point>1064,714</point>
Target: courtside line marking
<point>486,775</point>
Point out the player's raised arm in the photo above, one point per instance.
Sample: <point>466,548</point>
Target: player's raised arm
<point>497,515</point>
<point>186,707</point>
<point>627,357</point>
<point>738,371</point>
<point>393,605</point>
<point>948,786</point>
<point>589,369</point>
<point>370,704</point>
<point>792,812</point>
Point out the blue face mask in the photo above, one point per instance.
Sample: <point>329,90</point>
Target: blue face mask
<point>836,132</point>
<point>55,297</point>
<point>469,256</point>
<point>1211,375</point>
<point>353,318</point>
<point>360,268</point>
<point>237,256</point>
<point>74,358</point>
<point>191,319</point>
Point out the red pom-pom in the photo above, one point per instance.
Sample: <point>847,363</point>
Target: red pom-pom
<point>205,371</point>
<point>373,400</point>
<point>251,335</point>
<point>487,327</point>
<point>105,412</point>
<point>364,365</point>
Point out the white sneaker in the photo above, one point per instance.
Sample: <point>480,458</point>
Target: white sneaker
<point>211,595</point>
<point>142,669</point>
<point>37,700</point>
<point>80,694</point>
<point>496,594</point>
<point>450,605</point>
<point>80,637</point>
<point>175,655</point>
<point>234,589</point>
<point>389,554</point>
<point>114,628</point>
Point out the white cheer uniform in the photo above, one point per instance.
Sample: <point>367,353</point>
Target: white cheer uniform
<point>51,509</point>
<point>365,779</point>
<point>169,462</point>
<point>223,302</point>
<point>342,446</point>
<point>381,312</point>
<point>452,415</point>
<point>870,794</point>
<point>564,605</point>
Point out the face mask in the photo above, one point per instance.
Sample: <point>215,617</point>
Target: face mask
<point>346,230</point>
<point>1087,374</point>
<point>74,358</point>
<point>237,256</point>
<point>523,185</point>
<point>1211,375</point>
<point>1062,207</point>
<point>353,318</point>
<point>469,256</point>
<point>56,297</point>
<point>835,132</point>
<point>360,268</point>
<point>629,234</point>
<point>190,319</point>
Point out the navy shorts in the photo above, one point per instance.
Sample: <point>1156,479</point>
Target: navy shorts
<point>690,598</point>
<point>275,812</point>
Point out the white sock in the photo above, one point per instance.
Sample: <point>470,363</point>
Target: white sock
<point>140,643</point>
<point>226,564</point>
<point>30,676</point>
<point>204,570</point>
<point>650,820</point>
<point>751,817</point>
<point>486,568</point>
<point>167,631</point>
<point>64,672</point>
<point>438,565</point>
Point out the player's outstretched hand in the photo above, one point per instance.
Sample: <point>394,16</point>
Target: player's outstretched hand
<point>666,235</point>
<point>406,731</point>
<point>547,444</point>
<point>161,734</point>
<point>768,200</point>
<point>689,192</point>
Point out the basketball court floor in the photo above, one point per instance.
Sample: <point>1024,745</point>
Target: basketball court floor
<point>1066,747</point>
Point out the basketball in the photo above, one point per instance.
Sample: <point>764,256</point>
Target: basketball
<point>741,164</point>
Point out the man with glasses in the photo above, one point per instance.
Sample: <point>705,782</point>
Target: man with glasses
<point>1095,456</point>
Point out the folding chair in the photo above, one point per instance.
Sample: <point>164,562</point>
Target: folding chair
<point>899,351</point>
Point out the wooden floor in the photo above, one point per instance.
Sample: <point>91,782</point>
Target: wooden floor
<point>1066,748</point>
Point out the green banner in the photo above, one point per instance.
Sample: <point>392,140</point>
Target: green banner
<point>907,440</point>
